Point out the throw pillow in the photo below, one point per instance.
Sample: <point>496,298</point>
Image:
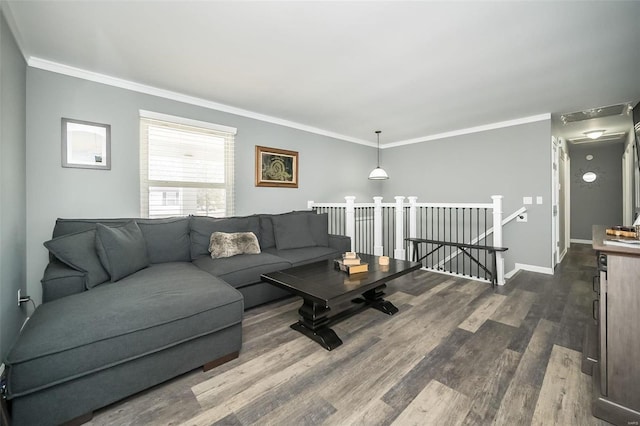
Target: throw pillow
<point>222,244</point>
<point>202,228</point>
<point>292,231</point>
<point>78,251</point>
<point>122,250</point>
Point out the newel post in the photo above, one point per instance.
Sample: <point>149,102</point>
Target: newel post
<point>399,252</point>
<point>497,236</point>
<point>378,248</point>
<point>309,205</point>
<point>350,220</point>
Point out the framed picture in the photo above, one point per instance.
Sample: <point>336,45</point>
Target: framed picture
<point>86,145</point>
<point>276,167</point>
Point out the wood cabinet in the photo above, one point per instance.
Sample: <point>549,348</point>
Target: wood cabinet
<point>616,372</point>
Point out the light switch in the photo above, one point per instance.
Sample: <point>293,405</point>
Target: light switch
<point>538,199</point>
<point>527,200</point>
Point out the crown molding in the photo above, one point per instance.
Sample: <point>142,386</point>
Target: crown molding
<point>59,68</point>
<point>469,130</point>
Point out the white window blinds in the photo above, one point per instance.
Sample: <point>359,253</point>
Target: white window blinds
<point>185,168</point>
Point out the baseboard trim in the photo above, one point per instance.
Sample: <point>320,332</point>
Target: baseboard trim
<point>579,241</point>
<point>531,268</point>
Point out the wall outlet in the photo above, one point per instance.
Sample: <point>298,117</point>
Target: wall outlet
<point>522,217</point>
<point>527,200</point>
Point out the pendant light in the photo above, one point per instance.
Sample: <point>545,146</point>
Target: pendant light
<point>378,173</point>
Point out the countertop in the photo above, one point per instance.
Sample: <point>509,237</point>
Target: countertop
<point>598,236</point>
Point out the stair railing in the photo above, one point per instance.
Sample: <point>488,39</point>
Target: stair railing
<point>381,228</point>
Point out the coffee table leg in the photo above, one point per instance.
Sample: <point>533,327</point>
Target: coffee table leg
<point>374,298</point>
<point>313,323</point>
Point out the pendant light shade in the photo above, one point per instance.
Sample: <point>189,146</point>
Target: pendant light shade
<point>378,173</point>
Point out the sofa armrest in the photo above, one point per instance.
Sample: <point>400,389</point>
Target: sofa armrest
<point>59,280</point>
<point>340,242</point>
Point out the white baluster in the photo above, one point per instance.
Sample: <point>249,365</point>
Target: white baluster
<point>413,219</point>
<point>378,248</point>
<point>399,252</point>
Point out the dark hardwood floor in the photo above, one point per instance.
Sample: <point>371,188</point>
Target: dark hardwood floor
<point>458,352</point>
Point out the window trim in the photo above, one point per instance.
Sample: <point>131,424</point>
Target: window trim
<point>227,133</point>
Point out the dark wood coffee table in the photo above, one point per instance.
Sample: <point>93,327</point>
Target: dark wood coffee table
<point>330,295</point>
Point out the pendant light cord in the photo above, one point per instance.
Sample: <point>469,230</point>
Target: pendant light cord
<point>378,133</point>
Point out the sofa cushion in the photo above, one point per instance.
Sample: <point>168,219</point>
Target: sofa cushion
<point>154,309</point>
<point>243,269</point>
<point>71,226</point>
<point>202,227</point>
<point>292,231</point>
<point>319,226</point>
<point>167,239</point>
<point>78,250</point>
<point>224,244</point>
<point>267,237</point>
<point>304,255</point>
<point>122,249</point>
<point>60,280</point>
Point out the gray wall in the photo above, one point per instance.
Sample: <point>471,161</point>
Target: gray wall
<point>12,185</point>
<point>599,202</point>
<point>329,169</point>
<point>513,162</point>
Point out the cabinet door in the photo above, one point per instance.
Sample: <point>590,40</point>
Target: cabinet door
<point>623,330</point>
<point>602,329</point>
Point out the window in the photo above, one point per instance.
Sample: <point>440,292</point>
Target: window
<point>186,167</point>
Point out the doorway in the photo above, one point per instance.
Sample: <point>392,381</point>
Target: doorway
<point>596,188</point>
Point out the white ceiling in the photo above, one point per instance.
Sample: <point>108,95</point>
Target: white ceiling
<point>411,69</point>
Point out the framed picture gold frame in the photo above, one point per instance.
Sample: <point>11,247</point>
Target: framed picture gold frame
<point>276,167</point>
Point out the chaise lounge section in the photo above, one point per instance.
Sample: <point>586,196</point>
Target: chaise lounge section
<point>131,303</point>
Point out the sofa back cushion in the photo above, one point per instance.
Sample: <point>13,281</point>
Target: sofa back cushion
<point>121,249</point>
<point>71,226</point>
<point>202,227</point>
<point>167,239</point>
<point>316,224</point>
<point>319,225</point>
<point>292,231</point>
<point>78,251</point>
<point>266,236</point>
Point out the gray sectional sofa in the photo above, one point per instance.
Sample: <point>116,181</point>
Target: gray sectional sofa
<point>130,303</point>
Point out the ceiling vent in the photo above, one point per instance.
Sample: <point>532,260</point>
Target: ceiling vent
<point>595,113</point>
<point>609,137</point>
